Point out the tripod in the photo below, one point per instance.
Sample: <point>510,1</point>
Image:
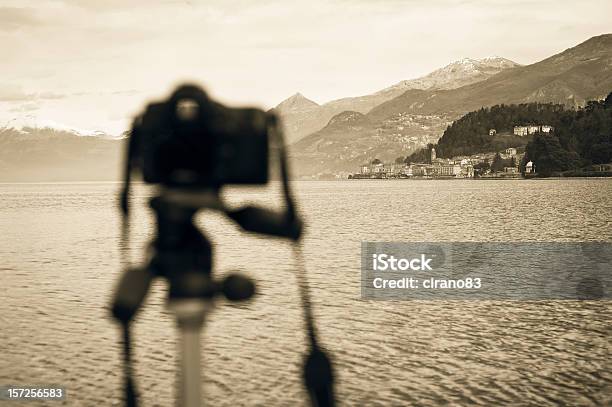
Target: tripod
<point>182,255</point>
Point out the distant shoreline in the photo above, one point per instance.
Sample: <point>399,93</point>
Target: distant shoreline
<point>470,179</point>
<point>316,180</point>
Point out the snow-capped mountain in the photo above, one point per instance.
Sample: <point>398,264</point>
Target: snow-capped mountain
<point>455,75</point>
<point>31,124</point>
<point>35,154</point>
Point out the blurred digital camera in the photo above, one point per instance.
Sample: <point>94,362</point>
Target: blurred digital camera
<point>192,141</point>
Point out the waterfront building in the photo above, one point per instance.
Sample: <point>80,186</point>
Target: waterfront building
<point>467,171</point>
<point>452,170</point>
<point>446,170</point>
<point>529,167</point>
<point>421,170</point>
<point>399,168</point>
<point>378,168</point>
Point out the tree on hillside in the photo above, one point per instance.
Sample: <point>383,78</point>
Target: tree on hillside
<point>549,156</point>
<point>470,134</point>
<point>580,138</point>
<point>482,168</point>
<point>608,101</point>
<point>420,156</point>
<point>601,152</point>
<point>498,163</point>
<point>376,161</point>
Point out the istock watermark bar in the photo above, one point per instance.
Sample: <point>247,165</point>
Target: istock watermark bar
<point>494,270</point>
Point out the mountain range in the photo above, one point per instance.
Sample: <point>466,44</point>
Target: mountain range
<point>47,155</point>
<point>301,116</point>
<point>419,116</point>
<point>342,134</point>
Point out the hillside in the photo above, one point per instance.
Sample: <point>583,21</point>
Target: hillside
<point>302,116</point>
<point>351,138</point>
<point>470,134</point>
<point>47,155</point>
<point>576,139</point>
<point>581,138</point>
<point>569,78</point>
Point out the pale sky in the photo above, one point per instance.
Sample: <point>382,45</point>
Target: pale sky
<point>92,64</point>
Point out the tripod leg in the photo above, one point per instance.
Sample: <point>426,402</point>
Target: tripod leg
<point>190,315</point>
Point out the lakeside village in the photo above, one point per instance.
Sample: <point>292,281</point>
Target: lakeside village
<point>484,165</point>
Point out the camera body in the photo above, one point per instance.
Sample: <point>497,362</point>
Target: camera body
<point>192,141</point>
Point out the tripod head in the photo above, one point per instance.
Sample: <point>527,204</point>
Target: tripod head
<point>182,255</point>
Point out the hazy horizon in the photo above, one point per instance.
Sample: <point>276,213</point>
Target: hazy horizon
<point>91,65</point>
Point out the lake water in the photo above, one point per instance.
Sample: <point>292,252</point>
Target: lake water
<point>59,264</point>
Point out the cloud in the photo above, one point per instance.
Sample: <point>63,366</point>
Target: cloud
<point>126,92</point>
<point>96,56</point>
<point>49,95</point>
<point>14,93</point>
<point>15,18</point>
<point>26,107</point>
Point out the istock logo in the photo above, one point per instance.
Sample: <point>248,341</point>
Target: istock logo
<point>384,262</point>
